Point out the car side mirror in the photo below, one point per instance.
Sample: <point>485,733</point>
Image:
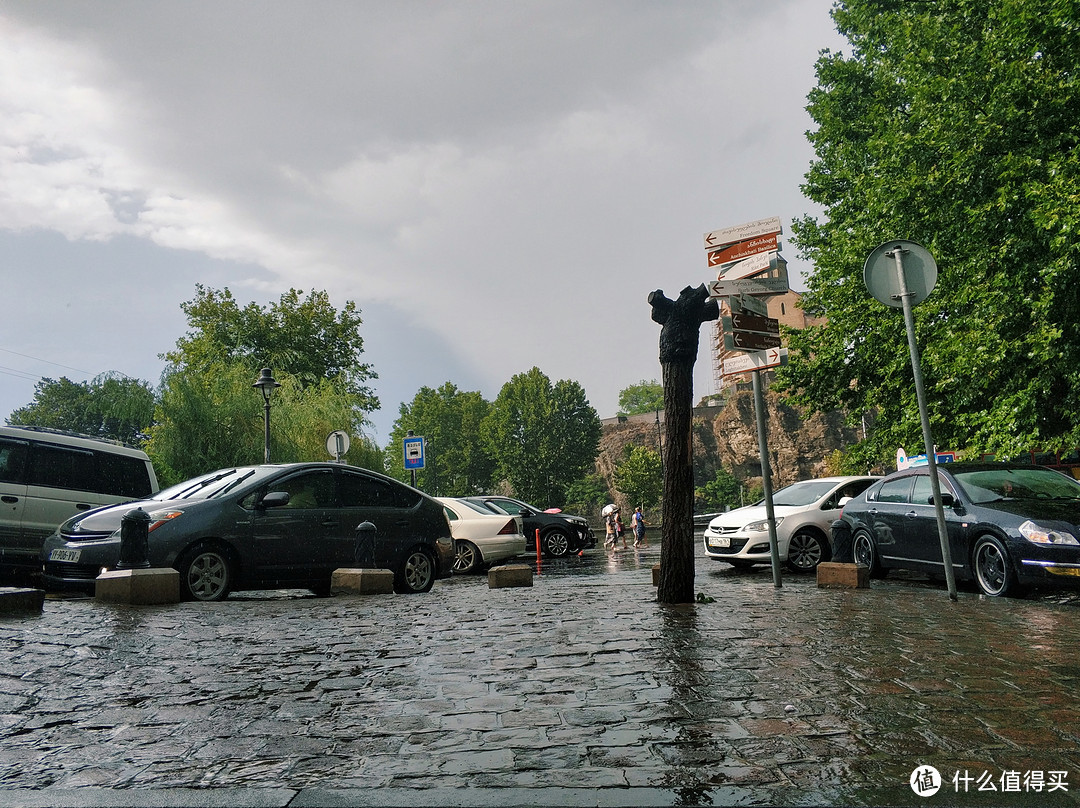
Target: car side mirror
<point>275,499</point>
<point>947,500</point>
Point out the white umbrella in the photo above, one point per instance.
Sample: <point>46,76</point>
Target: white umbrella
<point>608,509</point>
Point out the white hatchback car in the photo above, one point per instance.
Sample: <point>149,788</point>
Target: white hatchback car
<point>481,538</point>
<point>804,513</point>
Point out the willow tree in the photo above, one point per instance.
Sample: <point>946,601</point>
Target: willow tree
<point>954,123</point>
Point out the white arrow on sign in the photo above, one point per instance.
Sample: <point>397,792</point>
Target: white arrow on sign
<point>757,360</point>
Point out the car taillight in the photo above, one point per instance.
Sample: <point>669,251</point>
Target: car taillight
<point>510,529</point>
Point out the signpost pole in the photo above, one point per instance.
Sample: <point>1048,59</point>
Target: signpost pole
<point>931,459</point>
<point>766,476</point>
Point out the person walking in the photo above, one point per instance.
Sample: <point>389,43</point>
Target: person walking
<point>610,512</point>
<point>637,522</point>
<point>620,529</point>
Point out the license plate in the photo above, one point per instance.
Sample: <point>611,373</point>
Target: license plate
<point>719,541</point>
<point>70,556</point>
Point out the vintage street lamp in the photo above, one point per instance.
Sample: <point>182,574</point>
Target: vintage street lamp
<point>266,384</point>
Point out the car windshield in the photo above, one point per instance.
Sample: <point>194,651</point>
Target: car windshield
<point>475,506</point>
<point>210,485</point>
<point>994,485</point>
<point>804,493</point>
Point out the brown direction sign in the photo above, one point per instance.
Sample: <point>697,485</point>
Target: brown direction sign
<point>743,249</point>
<point>746,321</point>
<point>750,341</point>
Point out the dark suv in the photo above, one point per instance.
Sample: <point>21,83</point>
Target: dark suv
<point>266,527</point>
<point>560,533</point>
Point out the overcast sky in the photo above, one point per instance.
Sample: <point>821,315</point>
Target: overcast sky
<point>498,185</point>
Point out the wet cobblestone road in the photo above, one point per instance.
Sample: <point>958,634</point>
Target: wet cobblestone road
<point>580,685</point>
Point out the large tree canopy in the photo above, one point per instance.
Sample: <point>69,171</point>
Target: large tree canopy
<point>110,406</point>
<point>457,462</point>
<point>543,436</point>
<point>954,123</point>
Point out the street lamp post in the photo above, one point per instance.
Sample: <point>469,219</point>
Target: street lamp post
<point>266,384</point>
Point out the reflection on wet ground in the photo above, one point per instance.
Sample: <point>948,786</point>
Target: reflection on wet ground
<point>793,696</point>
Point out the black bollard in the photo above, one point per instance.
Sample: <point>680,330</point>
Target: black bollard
<point>364,548</point>
<point>134,548</point>
<point>842,551</point>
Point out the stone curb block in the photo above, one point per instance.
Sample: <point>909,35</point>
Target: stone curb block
<point>140,587</point>
<point>510,575</point>
<point>19,600</point>
<point>349,581</point>
<point>832,574</point>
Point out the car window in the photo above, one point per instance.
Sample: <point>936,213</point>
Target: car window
<point>1032,482</point>
<point>453,517</point>
<point>507,506</point>
<point>804,493</point>
<point>13,461</point>
<point>895,490</point>
<point>362,491</point>
<point>314,489</point>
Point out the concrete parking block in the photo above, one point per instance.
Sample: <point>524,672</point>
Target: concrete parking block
<point>510,575</point>
<point>20,600</point>
<point>140,587</point>
<point>349,581</point>
<point>832,574</point>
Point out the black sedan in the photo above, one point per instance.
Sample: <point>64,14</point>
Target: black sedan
<point>266,527</point>
<point>1010,526</point>
<point>560,533</point>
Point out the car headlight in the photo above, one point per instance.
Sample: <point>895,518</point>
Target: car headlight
<point>757,527</point>
<point>1041,535</point>
<point>159,518</point>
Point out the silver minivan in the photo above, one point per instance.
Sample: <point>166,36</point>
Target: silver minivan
<point>47,476</point>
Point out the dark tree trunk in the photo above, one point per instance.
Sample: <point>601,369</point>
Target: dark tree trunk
<point>681,320</point>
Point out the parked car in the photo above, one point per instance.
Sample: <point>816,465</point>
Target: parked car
<point>1010,526</point>
<point>481,538</point>
<point>560,533</point>
<point>47,475</point>
<point>804,513</point>
<point>266,527</point>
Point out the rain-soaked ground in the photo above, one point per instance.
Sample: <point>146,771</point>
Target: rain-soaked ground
<point>579,690</point>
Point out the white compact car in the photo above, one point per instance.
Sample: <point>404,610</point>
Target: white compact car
<point>804,513</point>
<point>481,538</point>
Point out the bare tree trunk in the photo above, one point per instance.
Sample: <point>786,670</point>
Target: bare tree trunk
<point>677,512</point>
<point>681,321</point>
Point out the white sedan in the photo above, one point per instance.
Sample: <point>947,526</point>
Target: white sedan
<point>481,538</point>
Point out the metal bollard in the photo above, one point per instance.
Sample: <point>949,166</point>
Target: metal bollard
<point>841,542</point>
<point>134,547</point>
<point>364,547</point>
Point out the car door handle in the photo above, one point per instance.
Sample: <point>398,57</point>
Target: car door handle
<point>330,523</point>
<point>911,514</point>
<point>82,506</point>
<point>9,500</point>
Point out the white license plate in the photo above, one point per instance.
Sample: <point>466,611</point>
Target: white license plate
<point>719,541</point>
<point>65,555</point>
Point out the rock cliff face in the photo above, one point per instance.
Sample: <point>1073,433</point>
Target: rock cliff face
<point>726,437</point>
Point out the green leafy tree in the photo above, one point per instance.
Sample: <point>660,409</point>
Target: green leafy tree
<point>306,338</point>
<point>110,406</point>
<point>640,476</point>
<point>457,460</point>
<point>645,396</point>
<point>720,492</point>
<point>954,123</point>
<point>543,436</point>
<point>587,494</point>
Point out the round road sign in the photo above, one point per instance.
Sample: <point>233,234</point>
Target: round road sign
<point>883,281</point>
<point>337,443</point>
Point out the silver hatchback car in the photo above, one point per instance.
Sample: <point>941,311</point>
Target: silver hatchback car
<point>804,512</point>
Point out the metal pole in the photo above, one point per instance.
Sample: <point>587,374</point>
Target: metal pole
<point>766,476</point>
<point>928,441</point>
<point>266,428</point>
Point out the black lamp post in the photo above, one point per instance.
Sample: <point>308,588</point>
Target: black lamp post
<point>266,384</point>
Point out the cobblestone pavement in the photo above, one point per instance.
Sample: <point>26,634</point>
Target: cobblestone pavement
<point>581,690</point>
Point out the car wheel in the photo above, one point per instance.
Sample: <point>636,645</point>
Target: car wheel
<point>417,573</point>
<point>206,574</point>
<point>805,552</point>
<point>556,543</point>
<point>466,557</point>
<point>864,551</point>
<point>993,570</point>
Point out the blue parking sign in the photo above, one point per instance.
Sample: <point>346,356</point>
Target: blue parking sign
<point>414,453</point>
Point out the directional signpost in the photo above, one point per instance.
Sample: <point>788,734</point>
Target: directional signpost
<point>739,254</point>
